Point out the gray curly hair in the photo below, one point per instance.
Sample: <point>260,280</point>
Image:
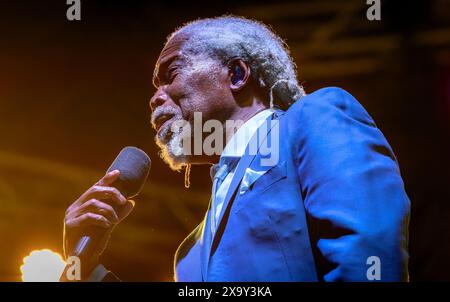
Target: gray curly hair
<point>227,37</point>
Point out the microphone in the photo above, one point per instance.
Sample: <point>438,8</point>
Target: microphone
<point>134,166</point>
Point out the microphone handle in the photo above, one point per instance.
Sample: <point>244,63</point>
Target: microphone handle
<point>86,245</point>
<point>84,250</point>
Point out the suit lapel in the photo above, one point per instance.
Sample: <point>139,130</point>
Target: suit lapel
<point>247,159</point>
<point>205,243</point>
<point>242,166</point>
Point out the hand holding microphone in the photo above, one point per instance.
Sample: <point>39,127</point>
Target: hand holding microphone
<point>90,220</point>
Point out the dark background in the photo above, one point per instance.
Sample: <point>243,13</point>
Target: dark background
<point>72,94</point>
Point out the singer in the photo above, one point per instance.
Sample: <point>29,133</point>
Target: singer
<point>331,207</point>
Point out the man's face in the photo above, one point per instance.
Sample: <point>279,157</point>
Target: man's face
<point>186,85</point>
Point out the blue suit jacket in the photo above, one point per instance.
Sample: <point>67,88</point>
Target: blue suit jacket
<point>334,198</point>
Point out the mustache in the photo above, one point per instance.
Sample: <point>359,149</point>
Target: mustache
<point>161,111</point>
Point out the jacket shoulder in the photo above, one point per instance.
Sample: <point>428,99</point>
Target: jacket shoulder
<point>326,101</point>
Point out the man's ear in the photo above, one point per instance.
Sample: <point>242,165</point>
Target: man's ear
<point>239,74</point>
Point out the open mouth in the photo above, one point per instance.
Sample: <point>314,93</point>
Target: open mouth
<point>159,121</point>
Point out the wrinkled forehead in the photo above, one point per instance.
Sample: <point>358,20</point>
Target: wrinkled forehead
<point>170,52</point>
<point>173,46</point>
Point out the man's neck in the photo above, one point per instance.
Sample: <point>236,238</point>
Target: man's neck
<point>243,114</point>
<point>246,113</point>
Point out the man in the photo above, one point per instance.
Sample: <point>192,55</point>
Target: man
<point>331,206</point>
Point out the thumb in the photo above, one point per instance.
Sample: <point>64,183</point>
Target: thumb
<point>109,178</point>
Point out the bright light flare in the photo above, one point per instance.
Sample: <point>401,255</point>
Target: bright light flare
<point>42,266</point>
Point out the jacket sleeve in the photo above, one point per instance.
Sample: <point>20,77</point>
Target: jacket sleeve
<point>357,208</point>
<point>98,274</point>
<point>101,274</point>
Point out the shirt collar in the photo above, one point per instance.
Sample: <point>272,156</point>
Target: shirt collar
<point>238,143</point>
<point>235,147</point>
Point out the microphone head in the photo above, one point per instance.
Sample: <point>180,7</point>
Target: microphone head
<point>134,166</point>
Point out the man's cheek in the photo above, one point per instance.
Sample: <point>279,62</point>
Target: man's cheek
<point>198,81</point>
<point>175,93</point>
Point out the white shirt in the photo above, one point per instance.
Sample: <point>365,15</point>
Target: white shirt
<point>236,148</point>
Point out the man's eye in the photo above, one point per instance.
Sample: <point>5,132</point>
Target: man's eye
<point>171,75</point>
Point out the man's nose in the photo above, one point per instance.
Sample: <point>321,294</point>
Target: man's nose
<point>158,99</point>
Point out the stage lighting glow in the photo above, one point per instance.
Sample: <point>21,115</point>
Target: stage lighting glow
<point>42,266</point>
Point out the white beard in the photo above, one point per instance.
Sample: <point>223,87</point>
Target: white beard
<point>172,151</point>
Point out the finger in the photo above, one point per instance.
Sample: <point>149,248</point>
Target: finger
<point>105,194</point>
<point>108,179</point>
<point>89,219</point>
<point>99,207</point>
<point>126,209</point>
